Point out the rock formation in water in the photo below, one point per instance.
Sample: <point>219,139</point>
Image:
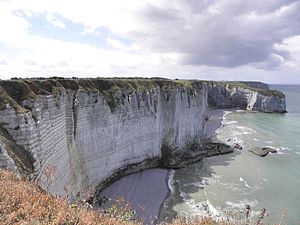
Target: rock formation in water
<point>89,131</point>
<point>262,151</point>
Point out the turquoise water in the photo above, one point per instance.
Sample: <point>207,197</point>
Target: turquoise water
<point>223,185</point>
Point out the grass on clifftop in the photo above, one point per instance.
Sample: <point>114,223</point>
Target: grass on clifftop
<point>237,84</point>
<point>15,91</point>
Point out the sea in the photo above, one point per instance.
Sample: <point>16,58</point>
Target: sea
<point>222,186</point>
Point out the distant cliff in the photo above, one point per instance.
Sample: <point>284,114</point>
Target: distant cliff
<point>252,96</point>
<point>89,131</point>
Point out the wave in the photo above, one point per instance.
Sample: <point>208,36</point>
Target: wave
<point>244,128</point>
<point>171,181</point>
<point>203,208</point>
<point>241,204</point>
<point>217,180</point>
<point>230,122</point>
<point>280,150</point>
<point>184,196</point>
<point>236,130</point>
<point>223,119</point>
<point>200,184</point>
<point>246,184</point>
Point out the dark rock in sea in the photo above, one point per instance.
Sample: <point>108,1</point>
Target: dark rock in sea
<point>262,152</point>
<point>217,148</point>
<point>238,146</point>
<point>273,150</point>
<point>179,159</point>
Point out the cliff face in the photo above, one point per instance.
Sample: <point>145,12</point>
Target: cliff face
<point>71,134</point>
<point>252,96</point>
<point>85,140</point>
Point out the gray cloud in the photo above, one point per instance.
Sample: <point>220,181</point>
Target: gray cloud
<point>160,14</point>
<point>228,33</point>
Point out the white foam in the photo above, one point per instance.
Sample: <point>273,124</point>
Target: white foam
<point>230,186</point>
<point>216,176</point>
<point>246,184</point>
<point>171,181</point>
<point>240,130</point>
<point>285,148</point>
<point>223,121</point>
<point>183,195</point>
<point>230,122</point>
<point>280,150</point>
<point>201,184</point>
<point>204,208</point>
<point>241,204</point>
<point>212,210</point>
<point>244,128</point>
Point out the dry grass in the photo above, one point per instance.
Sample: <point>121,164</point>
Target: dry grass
<point>23,202</point>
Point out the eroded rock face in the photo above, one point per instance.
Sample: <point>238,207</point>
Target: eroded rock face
<point>71,134</point>
<point>85,141</point>
<point>235,95</point>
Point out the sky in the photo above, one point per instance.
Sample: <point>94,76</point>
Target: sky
<point>187,39</point>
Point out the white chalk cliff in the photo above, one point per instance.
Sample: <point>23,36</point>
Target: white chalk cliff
<point>89,131</point>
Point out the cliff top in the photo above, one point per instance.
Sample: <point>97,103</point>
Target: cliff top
<point>259,87</point>
<point>15,91</point>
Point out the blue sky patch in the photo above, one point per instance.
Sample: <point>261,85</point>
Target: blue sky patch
<point>72,32</point>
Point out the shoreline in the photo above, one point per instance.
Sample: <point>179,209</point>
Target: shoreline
<point>149,189</point>
<point>214,122</point>
<point>146,193</point>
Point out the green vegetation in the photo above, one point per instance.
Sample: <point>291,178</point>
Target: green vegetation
<point>237,84</point>
<point>15,91</point>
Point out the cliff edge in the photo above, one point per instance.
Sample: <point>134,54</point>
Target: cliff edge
<point>251,96</point>
<point>90,131</point>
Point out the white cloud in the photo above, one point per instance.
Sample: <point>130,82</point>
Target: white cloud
<point>228,39</point>
<point>116,44</point>
<point>3,59</point>
<point>54,21</point>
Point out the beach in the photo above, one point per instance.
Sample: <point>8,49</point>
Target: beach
<point>215,117</point>
<point>147,190</point>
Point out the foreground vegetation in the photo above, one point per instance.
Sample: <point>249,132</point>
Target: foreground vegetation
<point>24,202</point>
